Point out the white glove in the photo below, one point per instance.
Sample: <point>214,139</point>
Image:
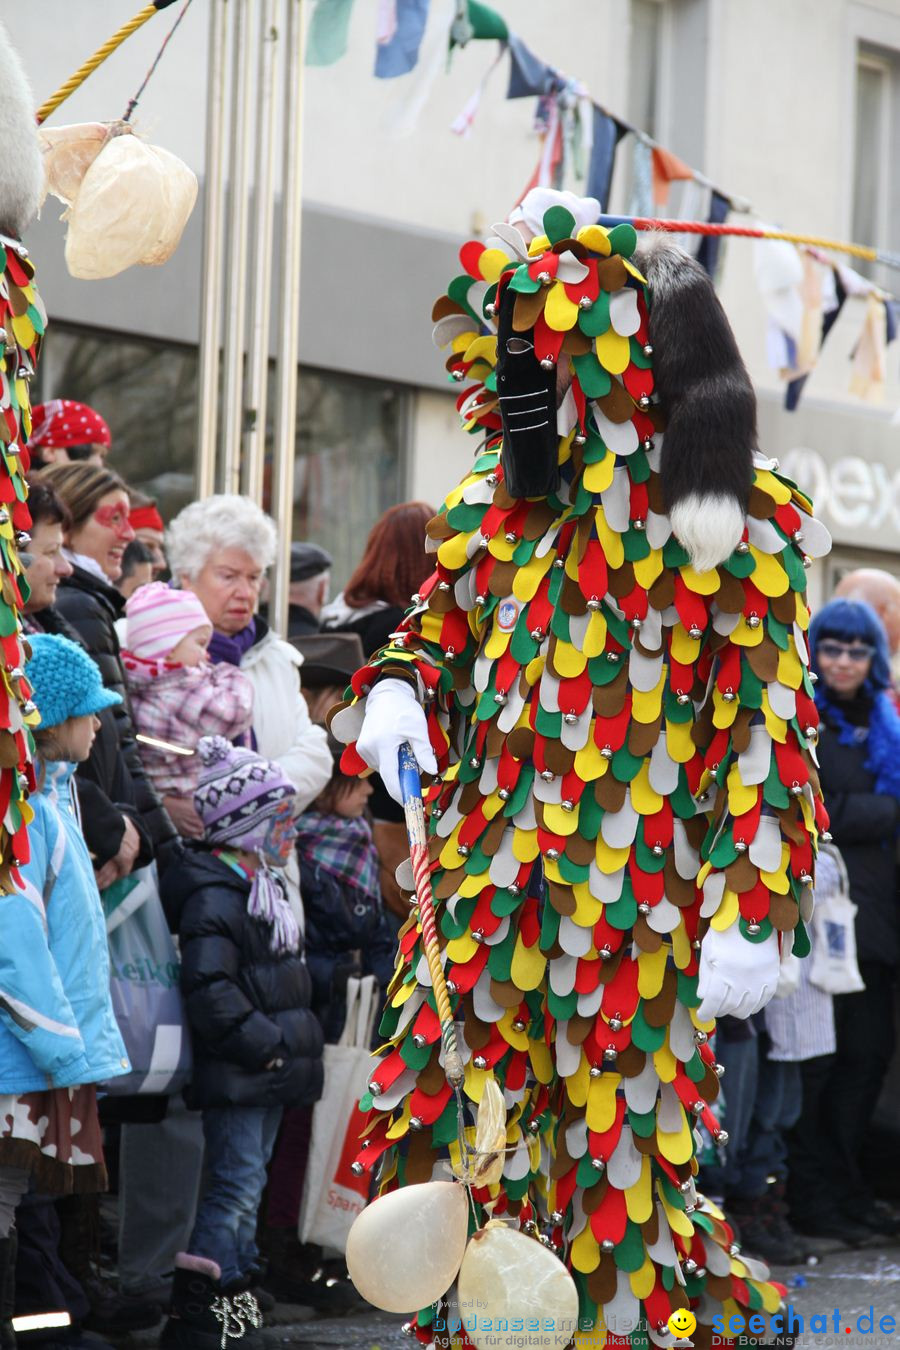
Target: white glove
<point>737,977</point>
<point>394,715</point>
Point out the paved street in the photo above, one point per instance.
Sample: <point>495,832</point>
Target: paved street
<point>374,1331</point>
<point>851,1282</point>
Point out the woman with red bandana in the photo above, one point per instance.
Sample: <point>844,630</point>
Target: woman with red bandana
<point>64,432</point>
<point>149,528</point>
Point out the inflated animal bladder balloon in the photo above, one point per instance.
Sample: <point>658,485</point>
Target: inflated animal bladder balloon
<point>505,1274</point>
<point>404,1250</point>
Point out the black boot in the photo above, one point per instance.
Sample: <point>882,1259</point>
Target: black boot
<point>203,1316</point>
<point>752,1217</point>
<point>297,1275</point>
<point>7,1290</point>
<point>779,1224</point>
<point>829,1223</point>
<point>111,1312</point>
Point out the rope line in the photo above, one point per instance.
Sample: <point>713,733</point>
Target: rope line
<point>81,74</point>
<point>756,232</point>
<point>133,102</point>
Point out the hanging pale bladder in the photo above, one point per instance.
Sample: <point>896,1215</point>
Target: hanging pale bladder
<point>407,1248</point>
<point>404,1250</point>
<point>128,201</point>
<point>506,1275</point>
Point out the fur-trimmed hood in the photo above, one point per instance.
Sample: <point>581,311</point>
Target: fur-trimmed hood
<point>631,338</point>
<point>707,399</point>
<point>21,166</point>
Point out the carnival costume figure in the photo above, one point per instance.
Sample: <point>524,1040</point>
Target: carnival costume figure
<point>608,676</point>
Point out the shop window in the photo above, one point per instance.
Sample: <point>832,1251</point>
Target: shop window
<point>350,464</point>
<point>350,461</point>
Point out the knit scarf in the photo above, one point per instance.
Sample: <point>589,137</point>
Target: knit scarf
<point>268,901</point>
<point>232,649</point>
<point>880,731</point>
<point>342,847</point>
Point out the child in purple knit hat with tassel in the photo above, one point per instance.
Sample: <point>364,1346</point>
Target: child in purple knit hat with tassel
<point>257,1045</point>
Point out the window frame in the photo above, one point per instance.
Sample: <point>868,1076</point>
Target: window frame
<point>875,33</point>
<point>869,58</point>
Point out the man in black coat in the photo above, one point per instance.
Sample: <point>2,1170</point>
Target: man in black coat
<point>308,593</point>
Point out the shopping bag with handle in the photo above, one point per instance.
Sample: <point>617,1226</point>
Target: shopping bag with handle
<point>332,1194</point>
<point>144,984</point>
<point>833,961</point>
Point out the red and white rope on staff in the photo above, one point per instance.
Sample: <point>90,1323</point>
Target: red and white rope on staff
<point>413,810</point>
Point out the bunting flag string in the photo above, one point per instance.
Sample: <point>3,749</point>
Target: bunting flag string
<point>606,133</point>
<point>801,313</point>
<point>579,139</point>
<point>465,118</point>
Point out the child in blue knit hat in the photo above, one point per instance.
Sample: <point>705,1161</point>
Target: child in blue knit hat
<point>58,1034</point>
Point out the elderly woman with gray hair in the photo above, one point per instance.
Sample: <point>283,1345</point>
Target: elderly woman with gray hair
<point>220,548</point>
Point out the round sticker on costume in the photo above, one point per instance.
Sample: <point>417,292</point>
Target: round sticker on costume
<point>507,614</point>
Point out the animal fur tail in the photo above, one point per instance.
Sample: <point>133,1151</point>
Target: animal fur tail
<point>21,166</point>
<point>707,399</point>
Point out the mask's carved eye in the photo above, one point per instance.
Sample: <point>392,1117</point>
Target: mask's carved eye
<point>517,346</point>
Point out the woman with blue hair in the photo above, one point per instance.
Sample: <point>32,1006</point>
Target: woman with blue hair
<point>859,757</point>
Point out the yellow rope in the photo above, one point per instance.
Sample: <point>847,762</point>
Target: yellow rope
<point>100,55</point>
<point>856,250</point>
<point>439,984</point>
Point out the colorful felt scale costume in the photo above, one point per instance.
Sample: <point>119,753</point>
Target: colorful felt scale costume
<point>22,323</point>
<point>624,744</point>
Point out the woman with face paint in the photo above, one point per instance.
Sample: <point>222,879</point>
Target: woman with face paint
<point>97,534</point>
<point>257,1045</point>
<point>607,677</point>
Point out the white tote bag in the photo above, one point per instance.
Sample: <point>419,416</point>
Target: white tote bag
<point>833,957</point>
<point>332,1195</point>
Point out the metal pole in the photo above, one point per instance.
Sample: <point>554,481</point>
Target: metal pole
<point>236,251</point>
<point>210,297</point>
<point>289,313</point>
<point>255,402</point>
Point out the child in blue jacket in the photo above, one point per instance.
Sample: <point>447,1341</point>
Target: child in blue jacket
<point>58,1034</point>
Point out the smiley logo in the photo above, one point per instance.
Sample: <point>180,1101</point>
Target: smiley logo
<point>682,1323</point>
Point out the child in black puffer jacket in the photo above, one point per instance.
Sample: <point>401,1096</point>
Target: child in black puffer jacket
<point>346,931</point>
<point>346,934</point>
<point>257,1045</point>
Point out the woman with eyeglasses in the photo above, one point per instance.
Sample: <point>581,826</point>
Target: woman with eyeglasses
<point>859,757</point>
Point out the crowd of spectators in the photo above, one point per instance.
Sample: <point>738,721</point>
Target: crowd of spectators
<point>807,1098</point>
<point>181,750</point>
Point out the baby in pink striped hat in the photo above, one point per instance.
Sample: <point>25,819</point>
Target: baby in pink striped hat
<point>177,695</point>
